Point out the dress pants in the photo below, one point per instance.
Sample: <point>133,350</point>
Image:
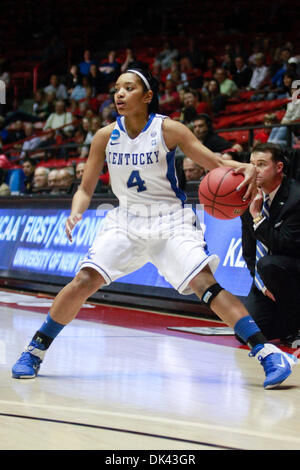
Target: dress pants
<point>281,276</point>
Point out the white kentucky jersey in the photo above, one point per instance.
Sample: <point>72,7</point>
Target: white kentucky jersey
<point>142,170</point>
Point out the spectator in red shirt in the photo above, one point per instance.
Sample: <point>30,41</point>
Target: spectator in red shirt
<point>192,106</point>
<point>169,102</point>
<point>210,69</point>
<point>262,135</point>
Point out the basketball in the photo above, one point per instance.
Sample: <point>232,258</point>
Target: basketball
<point>217,192</point>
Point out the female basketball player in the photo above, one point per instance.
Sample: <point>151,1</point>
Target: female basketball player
<point>150,224</point>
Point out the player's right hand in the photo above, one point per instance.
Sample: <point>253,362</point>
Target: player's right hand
<point>70,224</point>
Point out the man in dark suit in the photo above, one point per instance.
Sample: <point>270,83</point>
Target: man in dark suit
<point>273,220</point>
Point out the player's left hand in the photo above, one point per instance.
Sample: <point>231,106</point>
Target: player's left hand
<point>249,172</point>
<point>70,224</point>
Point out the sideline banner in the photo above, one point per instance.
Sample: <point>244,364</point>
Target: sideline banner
<point>34,241</point>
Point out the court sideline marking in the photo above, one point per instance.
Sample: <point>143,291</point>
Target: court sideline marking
<point>168,421</point>
<point>126,431</point>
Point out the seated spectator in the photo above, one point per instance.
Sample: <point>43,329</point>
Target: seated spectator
<point>178,77</point>
<point>28,167</point>
<point>85,65</point>
<point>16,134</point>
<point>79,109</point>
<point>78,93</point>
<point>108,115</point>
<point>242,74</point>
<point>169,102</point>
<point>227,86</point>
<point>294,65</point>
<point>166,56</point>
<point>91,101</point>
<point>131,61</point>
<point>85,126</point>
<point>203,130</point>
<point>4,188</point>
<point>60,118</point>
<point>110,69</point>
<point>230,154</point>
<point>260,77</point>
<point>194,75</point>
<point>79,170</point>
<point>56,87</point>
<point>79,174</point>
<point>96,80</point>
<point>52,181</point>
<point>65,180</point>
<point>228,64</point>
<point>40,180</point>
<point>212,94</point>
<point>277,78</point>
<point>43,104</point>
<point>32,140</point>
<point>94,127</point>
<point>256,49</point>
<point>193,171</point>
<point>284,90</point>
<point>48,140</point>
<point>192,106</point>
<point>210,69</point>
<point>73,78</point>
<point>280,135</point>
<point>157,72</point>
<point>261,136</point>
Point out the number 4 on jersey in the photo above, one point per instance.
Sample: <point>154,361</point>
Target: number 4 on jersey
<point>135,180</point>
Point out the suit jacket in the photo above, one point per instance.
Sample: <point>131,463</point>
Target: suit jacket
<point>281,232</point>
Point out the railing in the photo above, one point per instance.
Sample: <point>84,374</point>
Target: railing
<point>254,127</point>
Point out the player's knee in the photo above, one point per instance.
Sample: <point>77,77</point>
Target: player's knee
<point>202,281</point>
<point>88,280</point>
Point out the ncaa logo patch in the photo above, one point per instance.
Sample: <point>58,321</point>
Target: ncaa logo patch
<point>115,134</point>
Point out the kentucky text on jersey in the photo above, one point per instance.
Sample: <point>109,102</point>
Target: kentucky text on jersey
<point>147,158</point>
<point>142,169</point>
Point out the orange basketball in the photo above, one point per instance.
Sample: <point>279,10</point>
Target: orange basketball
<point>217,192</point>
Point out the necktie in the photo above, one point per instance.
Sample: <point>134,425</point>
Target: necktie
<point>261,249</point>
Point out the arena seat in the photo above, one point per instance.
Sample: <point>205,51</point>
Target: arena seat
<point>239,137</point>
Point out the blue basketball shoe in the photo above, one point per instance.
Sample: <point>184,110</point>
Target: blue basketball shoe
<point>276,363</point>
<point>28,365</point>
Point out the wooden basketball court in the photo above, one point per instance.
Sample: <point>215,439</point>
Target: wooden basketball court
<point>118,379</point>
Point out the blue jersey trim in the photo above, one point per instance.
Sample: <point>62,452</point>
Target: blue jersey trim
<point>171,175</point>
<point>120,123</point>
<point>149,122</point>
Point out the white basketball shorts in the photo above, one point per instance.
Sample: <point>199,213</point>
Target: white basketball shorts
<point>171,242</point>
